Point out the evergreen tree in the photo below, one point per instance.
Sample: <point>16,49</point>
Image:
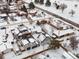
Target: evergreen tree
<point>31,5</point>
<point>36,1</point>
<point>41,1</point>
<point>48,3</point>
<point>23,8</point>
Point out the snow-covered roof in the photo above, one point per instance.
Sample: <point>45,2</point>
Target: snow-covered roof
<point>32,11</point>
<point>3,15</point>
<point>31,40</point>
<point>5,46</point>
<point>41,37</point>
<point>15,47</point>
<point>25,41</point>
<point>63,32</point>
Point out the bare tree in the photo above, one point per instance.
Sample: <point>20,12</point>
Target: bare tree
<point>55,44</point>
<point>72,12</point>
<point>73,42</point>
<point>63,7</point>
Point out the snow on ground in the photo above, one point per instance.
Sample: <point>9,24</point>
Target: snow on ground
<point>7,45</point>
<point>31,27</point>
<point>54,54</point>
<point>65,14</point>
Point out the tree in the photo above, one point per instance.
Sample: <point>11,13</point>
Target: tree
<point>73,42</point>
<point>56,5</point>
<point>63,6</point>
<point>48,3</point>
<point>9,1</point>
<point>75,5</point>
<point>41,1</point>
<point>31,5</point>
<point>77,55</point>
<point>72,12</point>
<point>23,8</point>
<point>38,23</point>
<point>36,1</point>
<point>55,44</point>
